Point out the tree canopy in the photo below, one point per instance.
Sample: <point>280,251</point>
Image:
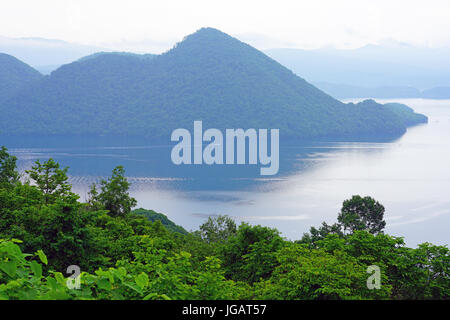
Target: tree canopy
<point>360,213</point>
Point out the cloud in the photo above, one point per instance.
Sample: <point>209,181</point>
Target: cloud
<point>262,23</point>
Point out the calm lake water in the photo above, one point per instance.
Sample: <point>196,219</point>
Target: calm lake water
<point>409,176</point>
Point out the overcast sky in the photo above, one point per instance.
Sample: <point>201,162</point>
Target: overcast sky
<point>156,25</point>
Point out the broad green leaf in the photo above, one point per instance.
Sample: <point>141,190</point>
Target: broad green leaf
<point>36,268</point>
<point>52,283</point>
<point>42,257</point>
<point>60,278</point>
<point>134,287</point>
<point>104,284</point>
<point>57,295</point>
<point>151,296</point>
<point>9,267</point>
<point>155,296</point>
<point>142,280</point>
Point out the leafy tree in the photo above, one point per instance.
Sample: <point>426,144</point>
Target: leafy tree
<point>62,229</point>
<point>93,202</point>
<point>249,255</point>
<point>316,234</point>
<point>8,173</point>
<point>218,229</point>
<point>51,180</point>
<point>19,213</point>
<point>360,213</point>
<point>308,274</point>
<point>114,195</point>
<point>423,273</point>
<point>66,236</point>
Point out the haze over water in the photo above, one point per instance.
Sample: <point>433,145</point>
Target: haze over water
<point>409,176</point>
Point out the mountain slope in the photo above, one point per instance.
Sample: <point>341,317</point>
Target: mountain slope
<point>155,216</point>
<point>117,53</point>
<point>15,75</point>
<point>209,76</point>
<point>406,113</point>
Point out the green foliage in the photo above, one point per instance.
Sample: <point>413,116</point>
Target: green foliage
<point>217,229</point>
<point>424,273</point>
<point>114,195</point>
<point>356,214</point>
<point>250,254</point>
<point>21,276</point>
<point>60,229</point>
<point>305,273</point>
<point>316,234</point>
<point>8,174</point>
<point>51,180</point>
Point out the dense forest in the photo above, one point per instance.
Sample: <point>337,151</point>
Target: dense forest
<point>209,76</point>
<point>46,232</point>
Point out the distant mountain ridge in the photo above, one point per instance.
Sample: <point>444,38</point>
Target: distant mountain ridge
<point>45,54</point>
<point>208,76</point>
<point>343,91</point>
<point>436,93</point>
<point>371,66</point>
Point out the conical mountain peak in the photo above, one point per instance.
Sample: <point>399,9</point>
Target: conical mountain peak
<point>210,40</point>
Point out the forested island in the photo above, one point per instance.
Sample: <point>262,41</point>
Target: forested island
<point>209,76</point>
<point>140,254</point>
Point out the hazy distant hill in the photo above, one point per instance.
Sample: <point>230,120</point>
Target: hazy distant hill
<point>384,65</point>
<point>15,75</point>
<point>209,76</point>
<point>437,93</point>
<point>45,55</point>
<point>343,91</point>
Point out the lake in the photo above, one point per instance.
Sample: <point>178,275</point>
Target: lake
<point>409,176</point>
